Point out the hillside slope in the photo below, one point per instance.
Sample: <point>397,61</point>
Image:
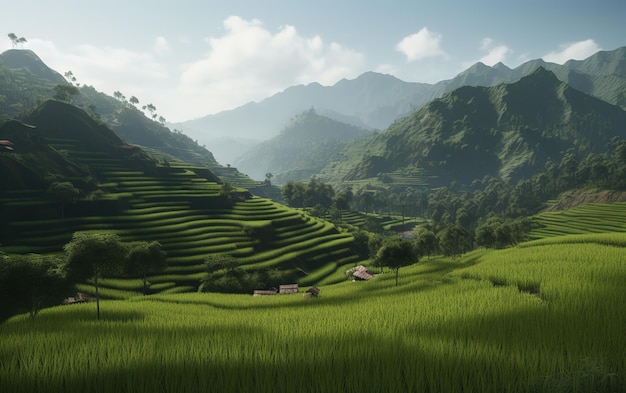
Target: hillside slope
<point>301,150</point>
<point>124,190</point>
<point>507,131</point>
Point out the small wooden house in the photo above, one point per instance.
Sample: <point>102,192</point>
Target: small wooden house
<point>288,288</point>
<point>361,273</point>
<point>264,292</point>
<point>313,292</point>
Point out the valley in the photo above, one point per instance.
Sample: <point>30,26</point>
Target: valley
<point>489,209</point>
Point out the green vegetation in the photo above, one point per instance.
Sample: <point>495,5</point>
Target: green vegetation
<point>541,317</point>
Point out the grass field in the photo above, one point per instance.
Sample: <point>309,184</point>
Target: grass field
<point>545,316</point>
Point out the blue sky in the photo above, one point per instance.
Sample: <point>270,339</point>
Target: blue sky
<point>192,58</point>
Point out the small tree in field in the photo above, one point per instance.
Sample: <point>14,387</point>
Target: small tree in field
<point>395,253</point>
<point>64,192</point>
<point>145,258</point>
<point>93,255</point>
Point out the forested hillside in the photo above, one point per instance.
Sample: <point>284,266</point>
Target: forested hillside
<point>508,132</point>
<point>301,150</point>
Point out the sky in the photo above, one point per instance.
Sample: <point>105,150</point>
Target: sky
<point>194,58</point>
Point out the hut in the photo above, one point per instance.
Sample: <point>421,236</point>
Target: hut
<point>312,292</point>
<point>288,288</point>
<point>361,273</point>
<point>264,292</point>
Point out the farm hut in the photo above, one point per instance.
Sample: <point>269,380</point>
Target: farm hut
<point>361,273</point>
<point>264,292</point>
<point>288,288</point>
<point>312,292</point>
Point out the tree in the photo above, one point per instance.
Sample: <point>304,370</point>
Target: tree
<point>13,38</point>
<point>69,75</point>
<point>29,283</point>
<point>16,41</point>
<point>228,191</point>
<point>425,241</point>
<point>64,92</point>
<point>150,108</point>
<point>134,100</point>
<point>454,240</point>
<point>342,201</point>
<point>63,192</point>
<point>144,258</point>
<point>395,253</point>
<point>119,96</point>
<point>225,275</point>
<point>293,194</point>
<point>93,255</point>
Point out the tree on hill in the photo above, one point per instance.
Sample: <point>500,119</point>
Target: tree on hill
<point>69,75</point>
<point>395,253</point>
<point>16,41</point>
<point>134,100</point>
<point>150,108</point>
<point>93,255</point>
<point>144,258</point>
<point>119,96</point>
<point>63,92</point>
<point>64,192</point>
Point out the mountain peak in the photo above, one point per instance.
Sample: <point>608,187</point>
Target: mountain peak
<point>27,59</point>
<point>540,77</point>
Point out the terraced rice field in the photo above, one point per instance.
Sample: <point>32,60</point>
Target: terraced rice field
<point>183,211</point>
<point>588,218</point>
<point>541,317</point>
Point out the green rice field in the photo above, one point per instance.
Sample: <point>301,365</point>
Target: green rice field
<point>545,316</point>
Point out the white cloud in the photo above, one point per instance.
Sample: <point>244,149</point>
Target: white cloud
<point>495,53</point>
<point>421,45</point>
<point>161,45</point>
<point>248,63</point>
<point>573,51</point>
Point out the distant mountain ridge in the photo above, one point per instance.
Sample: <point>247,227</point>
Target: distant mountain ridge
<point>374,100</point>
<point>301,149</point>
<point>507,131</point>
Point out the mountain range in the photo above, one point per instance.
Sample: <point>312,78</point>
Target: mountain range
<point>507,131</point>
<point>326,128</point>
<point>374,101</point>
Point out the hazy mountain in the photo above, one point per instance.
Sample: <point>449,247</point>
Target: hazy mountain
<point>370,101</point>
<point>301,149</point>
<point>375,100</point>
<point>507,131</point>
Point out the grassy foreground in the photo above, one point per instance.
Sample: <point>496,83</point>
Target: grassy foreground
<point>542,317</point>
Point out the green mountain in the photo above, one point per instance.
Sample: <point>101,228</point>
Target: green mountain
<point>51,143</point>
<point>25,80</point>
<point>507,131</point>
<point>602,75</point>
<point>301,149</point>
